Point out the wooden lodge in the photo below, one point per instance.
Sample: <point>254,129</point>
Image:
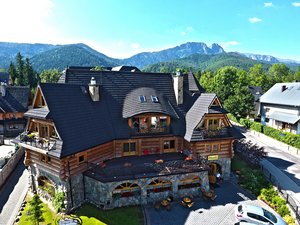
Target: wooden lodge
<point>118,138</point>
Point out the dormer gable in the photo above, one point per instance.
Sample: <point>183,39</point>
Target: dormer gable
<point>39,99</point>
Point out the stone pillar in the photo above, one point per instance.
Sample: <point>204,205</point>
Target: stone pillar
<point>143,185</point>
<point>175,183</point>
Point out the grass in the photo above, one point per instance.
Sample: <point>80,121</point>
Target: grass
<point>90,215</point>
<point>49,216</point>
<point>125,216</point>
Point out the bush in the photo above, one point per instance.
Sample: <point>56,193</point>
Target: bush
<point>283,210</point>
<point>231,117</point>
<point>257,127</point>
<point>267,194</point>
<point>289,219</point>
<point>245,122</point>
<point>58,201</point>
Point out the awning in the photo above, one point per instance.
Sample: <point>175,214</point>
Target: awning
<point>284,117</point>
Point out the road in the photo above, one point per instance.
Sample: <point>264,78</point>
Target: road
<point>289,164</point>
<point>12,194</point>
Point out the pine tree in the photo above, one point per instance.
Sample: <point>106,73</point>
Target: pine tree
<point>12,72</point>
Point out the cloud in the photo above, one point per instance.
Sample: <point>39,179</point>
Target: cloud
<point>254,20</point>
<point>135,45</point>
<point>190,29</point>
<point>268,4</point>
<point>187,30</point>
<point>183,33</point>
<point>228,44</point>
<point>31,23</point>
<point>296,4</point>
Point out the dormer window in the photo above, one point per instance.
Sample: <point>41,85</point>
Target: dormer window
<point>142,98</point>
<point>154,98</point>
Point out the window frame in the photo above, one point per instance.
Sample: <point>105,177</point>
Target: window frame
<point>130,149</point>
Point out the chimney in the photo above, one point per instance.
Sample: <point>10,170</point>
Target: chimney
<point>3,89</point>
<point>94,90</point>
<point>178,87</point>
<point>283,88</point>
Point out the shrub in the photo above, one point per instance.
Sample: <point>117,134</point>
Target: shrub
<point>231,117</point>
<point>277,202</point>
<point>257,127</point>
<point>267,194</point>
<point>249,152</point>
<point>245,122</point>
<point>289,219</point>
<point>58,201</point>
<point>35,209</point>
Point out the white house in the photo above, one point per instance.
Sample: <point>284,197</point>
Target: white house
<point>280,107</point>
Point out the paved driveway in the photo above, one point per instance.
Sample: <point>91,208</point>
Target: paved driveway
<point>218,212</point>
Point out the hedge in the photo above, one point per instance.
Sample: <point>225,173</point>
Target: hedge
<point>285,137</point>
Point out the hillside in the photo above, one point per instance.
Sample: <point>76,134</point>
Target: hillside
<point>146,58</point>
<point>205,62</point>
<point>75,54</point>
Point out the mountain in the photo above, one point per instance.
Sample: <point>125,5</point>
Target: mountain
<point>74,54</point>
<point>8,51</point>
<point>205,62</point>
<point>145,58</point>
<point>261,58</point>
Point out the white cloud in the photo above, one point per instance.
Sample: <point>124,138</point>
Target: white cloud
<point>135,45</point>
<point>227,45</point>
<point>296,4</point>
<point>254,20</point>
<point>183,33</point>
<point>27,21</point>
<point>268,4</point>
<point>190,29</point>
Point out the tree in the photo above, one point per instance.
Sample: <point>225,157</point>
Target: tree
<point>20,79</point>
<point>257,76</point>
<point>207,81</point>
<point>30,74</point>
<point>279,73</point>
<point>241,103</point>
<point>50,76</point>
<point>12,72</point>
<point>35,210</point>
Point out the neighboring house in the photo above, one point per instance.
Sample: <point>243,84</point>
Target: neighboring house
<point>280,107</point>
<point>257,92</point>
<point>13,105</point>
<point>117,138</point>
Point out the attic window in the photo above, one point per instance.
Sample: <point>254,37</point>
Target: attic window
<point>154,98</point>
<point>142,98</point>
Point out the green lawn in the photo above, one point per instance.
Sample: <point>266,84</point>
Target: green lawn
<point>49,216</point>
<point>125,216</point>
<point>90,215</point>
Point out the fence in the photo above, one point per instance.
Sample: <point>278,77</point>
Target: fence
<point>10,165</point>
<point>294,205</point>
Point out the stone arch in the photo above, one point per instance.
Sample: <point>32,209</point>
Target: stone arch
<point>189,181</point>
<point>46,185</point>
<point>214,172</point>
<point>159,185</point>
<point>126,189</point>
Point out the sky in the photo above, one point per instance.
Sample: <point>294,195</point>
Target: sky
<point>122,28</point>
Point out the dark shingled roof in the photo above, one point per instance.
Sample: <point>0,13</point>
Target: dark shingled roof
<point>15,99</point>
<point>133,106</point>
<point>82,123</point>
<point>256,91</point>
<point>4,77</point>
<point>196,113</point>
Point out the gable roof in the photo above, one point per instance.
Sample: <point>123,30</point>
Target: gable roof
<point>15,99</point>
<point>289,96</point>
<point>4,77</point>
<point>256,91</point>
<point>196,113</point>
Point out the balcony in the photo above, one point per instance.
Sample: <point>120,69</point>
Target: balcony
<point>206,134</point>
<point>149,130</point>
<point>35,141</point>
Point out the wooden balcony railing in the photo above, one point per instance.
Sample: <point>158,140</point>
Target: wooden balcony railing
<point>150,130</point>
<point>215,133</point>
<point>38,142</point>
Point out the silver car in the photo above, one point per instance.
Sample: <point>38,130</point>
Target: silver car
<point>257,215</point>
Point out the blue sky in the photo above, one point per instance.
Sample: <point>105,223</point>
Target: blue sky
<point>121,28</point>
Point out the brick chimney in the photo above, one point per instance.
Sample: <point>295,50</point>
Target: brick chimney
<point>94,90</point>
<point>178,87</point>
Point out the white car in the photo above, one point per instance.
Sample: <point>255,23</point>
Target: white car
<point>257,215</point>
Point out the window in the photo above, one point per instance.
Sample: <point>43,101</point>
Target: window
<point>154,98</point>
<point>169,145</point>
<point>212,147</point>
<point>45,158</point>
<point>129,148</point>
<point>126,190</point>
<point>213,124</point>
<point>142,98</point>
<point>81,158</point>
<point>159,186</point>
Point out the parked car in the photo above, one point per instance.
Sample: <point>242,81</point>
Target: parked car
<point>257,215</point>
